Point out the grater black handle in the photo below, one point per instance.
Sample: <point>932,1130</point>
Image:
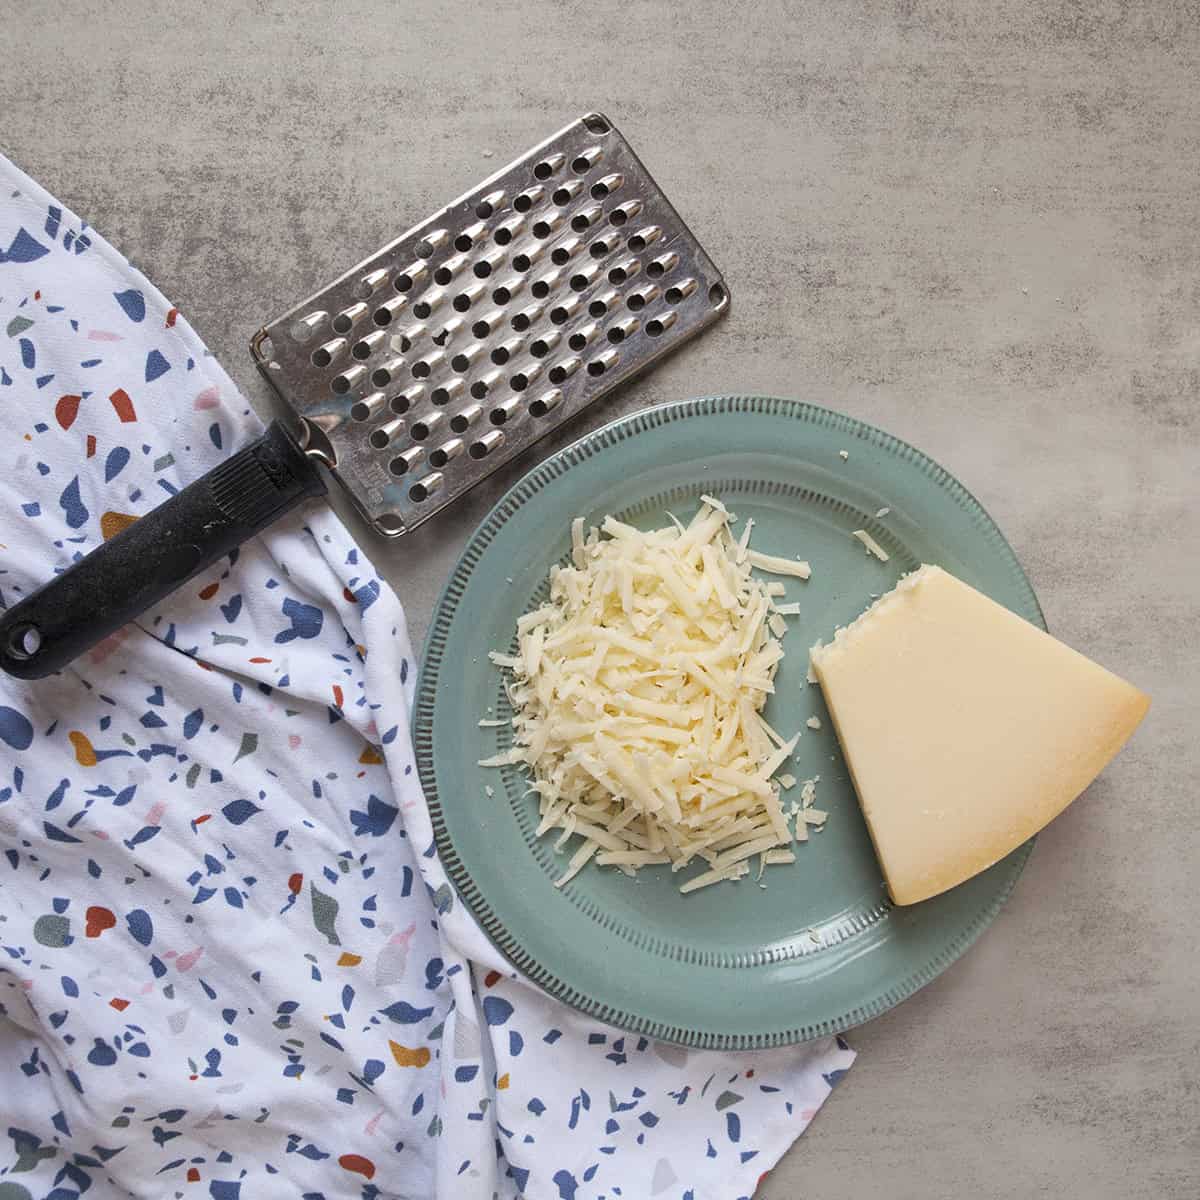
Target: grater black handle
<point>144,563</point>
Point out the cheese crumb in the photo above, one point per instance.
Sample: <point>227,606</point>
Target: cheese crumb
<point>873,547</point>
<point>638,689</point>
<point>813,722</point>
<point>883,512</point>
<point>843,454</point>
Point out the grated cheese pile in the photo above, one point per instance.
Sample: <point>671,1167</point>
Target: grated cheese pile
<point>638,691</point>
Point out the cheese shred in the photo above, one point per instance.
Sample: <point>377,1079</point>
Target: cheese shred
<point>637,690</point>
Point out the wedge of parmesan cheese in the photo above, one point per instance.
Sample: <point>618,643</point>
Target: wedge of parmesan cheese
<point>637,692</point>
<point>966,728</point>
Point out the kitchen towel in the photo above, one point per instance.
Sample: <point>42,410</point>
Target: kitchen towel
<point>231,965</point>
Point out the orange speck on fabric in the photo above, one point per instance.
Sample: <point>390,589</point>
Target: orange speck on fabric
<point>123,406</point>
<point>491,979</point>
<point>357,1164</point>
<point>207,593</point>
<point>346,959</point>
<point>370,755</point>
<point>193,1175</point>
<point>295,883</point>
<point>202,818</point>
<point>111,523</point>
<point>172,313</point>
<point>260,660</point>
<point>349,594</point>
<point>337,696</point>
<point>502,1082</point>
<point>409,1058</point>
<point>119,1004</point>
<point>91,445</point>
<point>29,437</point>
<point>85,756</point>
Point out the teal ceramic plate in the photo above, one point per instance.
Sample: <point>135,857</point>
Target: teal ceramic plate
<point>821,948</point>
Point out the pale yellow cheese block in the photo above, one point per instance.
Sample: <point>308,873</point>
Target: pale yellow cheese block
<point>966,728</point>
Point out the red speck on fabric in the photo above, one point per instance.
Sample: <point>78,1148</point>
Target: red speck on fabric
<point>119,1004</point>
<point>207,593</point>
<point>337,696</point>
<point>123,405</point>
<point>295,883</point>
<point>260,660</point>
<point>172,313</point>
<point>66,410</point>
<point>193,1174</point>
<point>491,979</point>
<point>91,445</point>
<point>202,818</point>
<point>348,594</point>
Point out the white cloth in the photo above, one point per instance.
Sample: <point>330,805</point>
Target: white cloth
<point>232,965</point>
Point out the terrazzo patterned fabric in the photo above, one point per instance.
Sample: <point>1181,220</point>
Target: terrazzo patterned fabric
<point>230,963</point>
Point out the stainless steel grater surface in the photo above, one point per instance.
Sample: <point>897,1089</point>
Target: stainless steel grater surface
<point>458,345</point>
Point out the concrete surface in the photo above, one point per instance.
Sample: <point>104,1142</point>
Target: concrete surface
<point>976,225</point>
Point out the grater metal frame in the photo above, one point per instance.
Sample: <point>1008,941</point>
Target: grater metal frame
<point>416,377</point>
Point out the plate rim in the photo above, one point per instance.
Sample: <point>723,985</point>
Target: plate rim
<point>433,653</point>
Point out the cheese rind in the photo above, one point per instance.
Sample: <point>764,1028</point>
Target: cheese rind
<point>966,728</point>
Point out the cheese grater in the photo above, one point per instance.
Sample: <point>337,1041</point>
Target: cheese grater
<point>420,372</point>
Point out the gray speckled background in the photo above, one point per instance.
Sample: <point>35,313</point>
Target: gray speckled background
<point>975,224</point>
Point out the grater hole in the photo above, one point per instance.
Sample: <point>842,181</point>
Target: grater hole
<point>340,385</point>
<point>519,382</point>
<point>463,242</point>
<point>597,308</point>
<point>479,389</point>
<point>540,290</point>
<point>560,256</point>
<point>543,171</point>
<point>599,190</point>
<point>362,350</point>
<point>420,431</point>
<point>421,370</point>
<point>440,395</point>
<point>523,203</point>
<point>618,217</point>
<point>656,269</point>
<point>618,275</point>
<point>418,493</point>
<point>636,303</point>
<point>442,276</point>
<point>484,209</point>
<point>500,355</point>
<point>521,322</point>
<point>615,335</point>
<point>637,243</point>
<point>382,316</point>
<point>482,269</point>
<point>459,424</point>
<point>481,328</point>
<point>379,439</point>
<point>422,309</point>
<point>501,295</point>
<point>497,416</point>
<point>398,466</point>
<point>562,196</point>
<point>342,323</point>
<point>381,377</point>
<point>438,458</point>
<point>716,295</point>
<point>424,249</point>
<point>654,328</point>
<point>462,302</point>
<point>539,408</point>
<point>360,411</point>
<point>404,282</point>
<point>576,341</point>
<point>673,295</point>
<point>540,348</point>
<point>598,249</point>
<point>502,236</point>
<point>321,357</point>
<point>559,315</point>
<point>579,282</point>
<point>595,123</point>
<point>541,229</point>
<point>595,368</point>
<point>478,450</point>
<point>579,222</point>
<point>558,374</point>
<point>522,262</point>
<point>461,363</point>
<point>399,404</point>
